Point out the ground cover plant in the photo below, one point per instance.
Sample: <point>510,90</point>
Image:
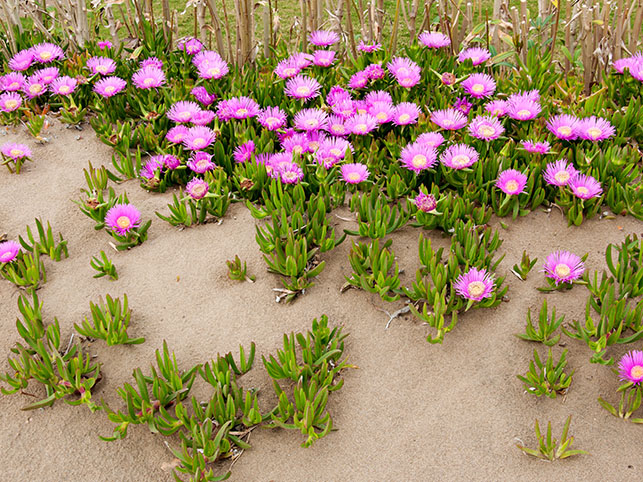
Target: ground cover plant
<point>447,137</point>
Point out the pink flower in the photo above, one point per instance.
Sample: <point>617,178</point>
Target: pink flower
<point>486,128</point>
<point>198,137</point>
<point>563,126</point>
<point>12,82</point>
<point>536,147</point>
<point>354,173</point>
<point>368,48</point>
<point>243,107</point>
<point>202,118</point>
<point>323,38</point>
<point>10,101</point>
<point>8,251</point>
<point>449,119</point>
<point>290,173</point>
<point>122,218</point>
<point>477,55</point>
<point>183,111</point>
<point>15,151</point>
<point>287,69</point>
<point>459,156</point>
<point>361,124</point>
<point>310,119</point>
<point>323,58</point>
<point>630,367</point>
<point>434,40</point>
<point>46,52</point>
<point>191,45</point>
<point>497,108</point>
<point>46,75</point>
<point>109,86</point>
<point>302,87</point>
<point>358,80</point>
<point>425,202</point>
<point>101,65</point>
<point>197,188</point>
<point>563,267</point>
<point>151,62</point>
<point>64,85</point>
<point>418,157</point>
<point>430,139</point>
<point>148,78</point>
<point>34,87</point>
<point>176,134</point>
<point>559,173</point>
<point>22,60</point>
<point>475,284</point>
<point>202,95</point>
<point>584,186</point>
<point>511,182</point>
<point>406,113</point>
<point>201,162</point>
<point>337,127</point>
<point>272,118</point>
<point>244,152</point>
<point>104,44</point>
<point>594,129</point>
<point>382,111</point>
<point>479,85</point>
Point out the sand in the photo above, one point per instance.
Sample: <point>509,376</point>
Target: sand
<point>411,411</point>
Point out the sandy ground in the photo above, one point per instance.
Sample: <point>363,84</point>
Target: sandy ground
<point>412,411</point>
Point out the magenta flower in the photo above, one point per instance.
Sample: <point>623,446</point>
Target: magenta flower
<point>34,87</point>
<point>46,75</point>
<point>64,85</point>
<point>325,158</point>
<point>512,182</point>
<point>628,63</point>
<point>434,40</point>
<point>310,119</point>
<point>368,48</point>
<point>487,128</point>
<point>272,118</point>
<point>201,162</point>
<point>475,284</point>
<point>563,126</point>
<point>15,151</point>
<point>382,111</point>
<point>122,218</point>
<point>302,87</point>
<point>224,112</point>
<point>336,126</point>
<point>406,113</point>
<point>477,55</point>
<point>213,67</point>
<point>243,107</point>
<point>297,143</point>
<point>190,46</point>
<point>22,60</point>
<point>378,96</point>
<point>109,86</point>
<point>336,146</point>
<point>12,82</point>
<point>354,173</point>
<point>497,108</point>
<point>176,134</point>
<point>449,119</point>
<point>358,80</point>
<point>630,368</point>
<point>418,157</point>
<point>594,129</point>
<point>151,62</point>
<point>448,78</point>
<point>430,139</point>
<point>197,188</point>
<point>361,124</point>
<point>101,65</point>
<point>559,173</point>
<point>10,101</point>
<point>375,71</point>
<point>171,162</point>
<point>244,152</point>
<point>323,58</point>
<point>148,78</point>
<point>290,173</point>
<point>302,59</point>
<point>344,108</point>
<point>425,202</point>
<point>584,186</point>
<point>523,109</point>
<point>315,138</point>
<point>203,117</point>
<point>8,251</point>
<point>406,72</point>
<point>287,69</point>
<point>337,94</point>
<point>201,94</point>
<point>536,147</point>
<point>47,52</point>
<point>104,44</point>
<point>479,85</point>
<point>459,156</point>
<point>463,105</point>
<point>148,171</point>
<point>278,161</point>
<point>198,137</point>
<point>323,38</point>
<point>183,111</point>
<point>563,267</point>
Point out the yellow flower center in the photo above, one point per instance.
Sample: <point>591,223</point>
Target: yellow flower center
<point>339,129</point>
<point>360,128</point>
<point>16,152</point>
<point>123,222</point>
<point>289,72</point>
<point>405,118</point>
<point>487,131</point>
<point>303,90</point>
<point>272,121</point>
<point>199,141</point>
<point>312,122</point>
<point>381,116</point>
<point>523,113</point>
<point>242,111</point>
<point>109,89</point>
<point>101,69</point>
<point>297,149</point>
<point>475,59</point>
<point>361,111</point>
<point>199,189</point>
<point>562,270</point>
<point>14,85</point>
<point>202,163</point>
<point>447,122</point>
<point>214,71</point>
<point>353,176</point>
<point>314,145</point>
<point>11,104</point>
<point>45,55</point>
<point>512,186</point>
<point>582,190</point>
<point>594,132</point>
<point>289,175</point>
<point>478,88</point>
<point>149,81</point>
<point>35,88</point>
<point>460,160</point>
<point>475,288</point>
<point>335,151</point>
<point>564,130</point>
<point>636,371</point>
<point>419,161</point>
<point>562,176</point>
<point>64,89</point>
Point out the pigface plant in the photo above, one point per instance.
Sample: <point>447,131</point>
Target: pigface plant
<point>547,326</point>
<point>238,270</point>
<point>547,378</point>
<point>549,448</point>
<point>375,269</point>
<point>110,320</point>
<point>526,264</point>
<point>630,371</point>
<point>46,243</point>
<point>104,266</point>
<point>123,223</point>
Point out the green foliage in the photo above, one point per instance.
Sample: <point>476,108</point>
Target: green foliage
<point>315,376</point>
<point>25,271</point>
<point>238,271</point>
<point>547,326</point>
<point>375,216</point>
<point>630,402</point>
<point>549,448</point>
<point>526,264</point>
<point>374,270</point>
<point>110,321</point>
<point>104,266</point>
<point>66,374</point>
<point>547,378</point>
<point>46,243</point>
